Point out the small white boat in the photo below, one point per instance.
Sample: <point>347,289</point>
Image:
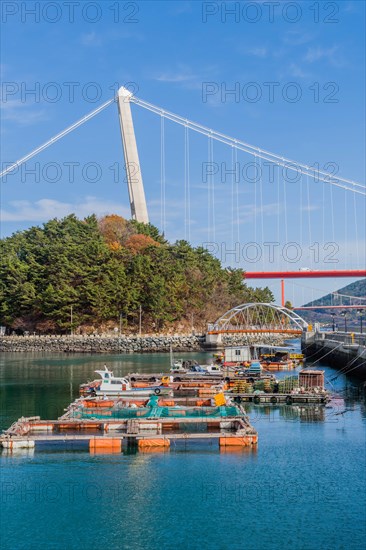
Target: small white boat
<point>113,385</point>
<point>177,367</point>
<point>213,369</point>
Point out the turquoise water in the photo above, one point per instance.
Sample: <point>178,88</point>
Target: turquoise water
<point>303,488</point>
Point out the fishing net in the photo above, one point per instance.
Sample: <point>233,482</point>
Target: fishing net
<point>157,412</point>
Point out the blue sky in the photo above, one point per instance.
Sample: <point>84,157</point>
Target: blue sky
<point>172,54</point>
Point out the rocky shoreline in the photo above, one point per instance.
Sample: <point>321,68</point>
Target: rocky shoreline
<point>126,344</point>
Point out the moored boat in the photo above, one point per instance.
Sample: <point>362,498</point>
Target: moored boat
<point>119,385</point>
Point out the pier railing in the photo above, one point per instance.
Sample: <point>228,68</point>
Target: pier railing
<point>347,338</point>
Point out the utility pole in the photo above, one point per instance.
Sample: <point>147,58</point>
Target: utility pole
<point>71,330</point>
<point>344,314</point>
<point>120,324</point>
<point>333,323</point>
<point>282,293</point>
<point>360,312</point>
<point>140,319</point>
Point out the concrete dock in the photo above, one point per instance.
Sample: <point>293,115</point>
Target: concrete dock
<point>345,351</point>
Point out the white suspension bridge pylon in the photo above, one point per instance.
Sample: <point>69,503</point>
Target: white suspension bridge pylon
<point>136,192</point>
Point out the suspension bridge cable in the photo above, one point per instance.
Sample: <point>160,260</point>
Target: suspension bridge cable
<point>301,212</point>
<point>232,196</point>
<point>345,231</point>
<point>162,174</point>
<point>356,229</point>
<point>237,180</point>
<point>323,211</point>
<point>309,216</point>
<point>255,200</point>
<point>187,185</point>
<point>213,193</point>
<point>319,175</point>
<point>285,205</point>
<point>56,137</point>
<point>278,204</point>
<point>332,212</point>
<point>261,207</point>
<point>209,189</point>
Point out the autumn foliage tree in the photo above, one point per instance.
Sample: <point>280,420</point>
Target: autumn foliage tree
<point>138,243</point>
<point>106,268</point>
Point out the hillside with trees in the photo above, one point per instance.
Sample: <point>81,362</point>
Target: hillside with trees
<point>342,297</point>
<point>97,274</point>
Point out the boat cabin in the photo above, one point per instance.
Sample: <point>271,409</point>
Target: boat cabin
<point>237,355</point>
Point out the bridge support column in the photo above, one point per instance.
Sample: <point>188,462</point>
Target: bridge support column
<point>213,340</point>
<point>133,170</point>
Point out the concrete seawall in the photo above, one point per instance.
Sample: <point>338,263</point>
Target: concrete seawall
<point>344,351</point>
<point>126,344</point>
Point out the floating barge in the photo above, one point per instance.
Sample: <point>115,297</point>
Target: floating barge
<point>282,398</point>
<point>106,427</point>
<point>195,410</point>
<point>225,376</point>
<point>305,388</point>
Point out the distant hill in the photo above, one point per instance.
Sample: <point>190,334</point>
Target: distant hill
<point>339,298</point>
<point>358,288</point>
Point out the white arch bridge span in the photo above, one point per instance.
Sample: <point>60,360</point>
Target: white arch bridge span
<point>257,318</point>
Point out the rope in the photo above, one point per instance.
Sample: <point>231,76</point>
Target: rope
<point>322,357</point>
<point>325,355</point>
<point>344,369</point>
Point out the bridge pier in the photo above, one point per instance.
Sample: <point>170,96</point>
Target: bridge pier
<point>213,341</point>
